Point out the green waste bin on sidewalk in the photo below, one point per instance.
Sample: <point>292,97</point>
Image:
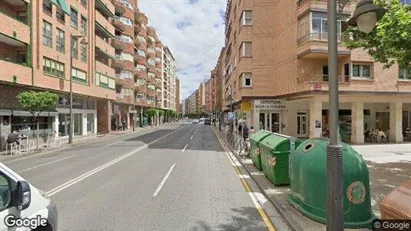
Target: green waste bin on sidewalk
<point>275,157</point>
<point>255,141</point>
<point>308,190</point>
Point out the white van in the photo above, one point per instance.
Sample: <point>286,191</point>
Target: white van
<point>22,206</point>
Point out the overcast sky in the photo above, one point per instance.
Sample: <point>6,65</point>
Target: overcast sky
<point>194,31</point>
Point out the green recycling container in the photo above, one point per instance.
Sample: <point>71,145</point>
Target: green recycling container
<point>275,154</point>
<point>308,189</point>
<point>255,141</point>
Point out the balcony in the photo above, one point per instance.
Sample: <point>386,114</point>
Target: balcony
<point>119,97</point>
<point>140,59</point>
<point>141,74</point>
<point>15,30</point>
<point>140,88</point>
<point>119,24</point>
<point>106,7</point>
<point>118,62</point>
<point>120,8</point>
<point>15,73</point>
<point>105,47</point>
<point>103,25</point>
<point>305,6</point>
<point>104,69</point>
<point>120,81</point>
<point>315,45</point>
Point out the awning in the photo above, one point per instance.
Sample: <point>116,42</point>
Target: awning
<point>63,5</point>
<point>25,113</point>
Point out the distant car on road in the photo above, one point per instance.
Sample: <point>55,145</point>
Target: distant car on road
<point>207,121</point>
<point>195,121</point>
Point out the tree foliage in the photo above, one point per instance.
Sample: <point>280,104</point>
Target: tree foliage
<point>37,102</point>
<point>151,112</point>
<point>389,41</point>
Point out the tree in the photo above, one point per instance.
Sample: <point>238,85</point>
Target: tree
<point>151,113</point>
<point>389,42</point>
<point>36,103</point>
<point>160,114</point>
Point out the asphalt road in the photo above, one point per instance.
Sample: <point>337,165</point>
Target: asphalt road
<point>173,178</point>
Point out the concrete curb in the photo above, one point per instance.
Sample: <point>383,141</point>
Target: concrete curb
<point>287,217</point>
<point>107,136</point>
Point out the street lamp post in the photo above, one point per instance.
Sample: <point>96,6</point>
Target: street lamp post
<point>73,39</point>
<point>365,17</point>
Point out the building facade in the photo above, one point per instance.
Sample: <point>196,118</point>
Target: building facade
<point>169,80</point>
<point>276,74</point>
<point>100,46</point>
<point>177,96</point>
<point>192,103</point>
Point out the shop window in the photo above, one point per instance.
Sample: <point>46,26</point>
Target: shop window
<point>27,125</point>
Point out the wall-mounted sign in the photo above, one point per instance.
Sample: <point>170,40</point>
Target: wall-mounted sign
<point>271,104</point>
<point>317,87</point>
<point>64,102</point>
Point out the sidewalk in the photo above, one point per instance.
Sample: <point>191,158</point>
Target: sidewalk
<point>277,195</point>
<point>79,141</point>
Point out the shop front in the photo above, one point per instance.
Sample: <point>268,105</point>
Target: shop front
<point>359,117</point>
<point>268,114</point>
<point>84,116</point>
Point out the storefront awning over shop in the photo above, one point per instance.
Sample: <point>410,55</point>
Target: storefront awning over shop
<point>26,113</point>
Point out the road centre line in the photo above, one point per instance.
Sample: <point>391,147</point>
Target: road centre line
<point>102,167</point>
<point>164,180</point>
<point>184,148</point>
<point>247,188</point>
<point>191,137</point>
<point>41,165</point>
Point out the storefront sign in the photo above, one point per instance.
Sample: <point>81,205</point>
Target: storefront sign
<point>245,106</point>
<point>64,102</point>
<point>269,104</point>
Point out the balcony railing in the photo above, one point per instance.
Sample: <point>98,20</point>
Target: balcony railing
<point>323,78</point>
<point>319,37</point>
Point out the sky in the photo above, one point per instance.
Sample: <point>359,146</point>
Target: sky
<point>194,32</point>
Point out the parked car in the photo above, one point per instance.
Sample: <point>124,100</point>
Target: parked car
<point>195,121</point>
<point>22,203</point>
<point>207,121</point>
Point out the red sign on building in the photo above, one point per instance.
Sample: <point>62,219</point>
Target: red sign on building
<point>317,87</point>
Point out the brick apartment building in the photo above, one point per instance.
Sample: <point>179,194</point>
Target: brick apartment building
<point>115,73</point>
<point>210,93</point>
<point>177,97</point>
<point>275,71</point>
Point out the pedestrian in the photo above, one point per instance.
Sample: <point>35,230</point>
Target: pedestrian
<point>245,132</point>
<point>13,138</point>
<point>124,125</point>
<point>240,128</point>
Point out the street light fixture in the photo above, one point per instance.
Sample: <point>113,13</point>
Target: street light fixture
<point>365,17</point>
<point>73,39</point>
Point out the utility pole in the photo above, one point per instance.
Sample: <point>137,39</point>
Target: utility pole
<point>73,39</point>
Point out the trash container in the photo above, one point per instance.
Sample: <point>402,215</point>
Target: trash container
<point>397,204</point>
<point>275,154</point>
<point>308,189</point>
<point>255,141</point>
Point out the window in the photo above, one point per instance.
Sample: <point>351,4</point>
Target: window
<point>404,73</point>
<point>247,80</point>
<point>84,53</point>
<point>105,81</point>
<point>245,49</point>
<point>83,3</point>
<point>361,71</point>
<point>73,18</point>
<point>79,75</point>
<point>247,18</point>
<point>22,16</point>
<point>53,67</point>
<point>47,6</point>
<point>5,192</point>
<point>320,27</point>
<point>47,33</point>
<point>325,73</point>
<point>60,15</point>
<point>60,40</point>
<point>141,53</point>
<point>74,51</point>
<point>83,29</point>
